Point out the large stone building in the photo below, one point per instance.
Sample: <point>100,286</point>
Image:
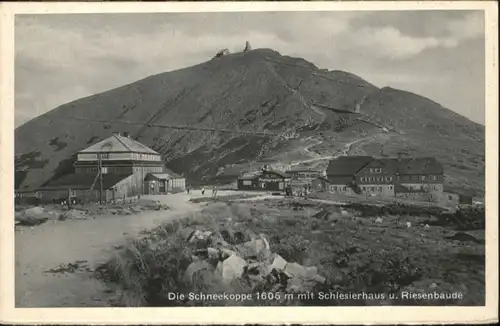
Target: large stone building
<point>341,173</point>
<point>129,168</point>
<point>419,178</point>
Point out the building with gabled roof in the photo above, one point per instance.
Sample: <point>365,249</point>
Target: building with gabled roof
<point>414,177</point>
<point>128,167</point>
<point>341,172</point>
<point>265,180</point>
<point>118,143</point>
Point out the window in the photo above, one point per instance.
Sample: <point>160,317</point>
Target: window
<point>449,197</point>
<point>334,187</point>
<point>371,170</point>
<point>390,187</point>
<point>247,182</point>
<point>388,178</point>
<point>378,170</point>
<point>434,178</point>
<point>422,178</point>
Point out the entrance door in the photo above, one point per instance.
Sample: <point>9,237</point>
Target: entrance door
<point>162,187</point>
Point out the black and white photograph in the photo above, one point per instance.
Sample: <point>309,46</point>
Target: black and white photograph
<point>258,158</point>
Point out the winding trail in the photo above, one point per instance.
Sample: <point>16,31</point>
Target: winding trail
<point>345,151</point>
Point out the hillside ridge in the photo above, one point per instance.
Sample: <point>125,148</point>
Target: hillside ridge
<point>258,89</point>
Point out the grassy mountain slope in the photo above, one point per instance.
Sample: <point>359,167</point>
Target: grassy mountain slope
<point>254,90</point>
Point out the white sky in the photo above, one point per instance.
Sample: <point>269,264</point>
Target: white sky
<point>63,57</point>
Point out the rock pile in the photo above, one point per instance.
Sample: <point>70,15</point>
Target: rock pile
<point>34,216</point>
<point>242,256</point>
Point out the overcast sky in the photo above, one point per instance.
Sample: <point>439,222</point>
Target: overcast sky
<point>437,54</point>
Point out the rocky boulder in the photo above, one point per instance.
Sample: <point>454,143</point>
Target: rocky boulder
<point>251,262</point>
<point>73,214</point>
<point>34,216</point>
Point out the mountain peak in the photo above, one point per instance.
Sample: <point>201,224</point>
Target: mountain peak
<point>251,90</point>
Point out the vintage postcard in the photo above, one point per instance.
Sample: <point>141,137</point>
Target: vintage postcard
<point>249,162</point>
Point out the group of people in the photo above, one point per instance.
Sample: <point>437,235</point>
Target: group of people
<point>214,191</point>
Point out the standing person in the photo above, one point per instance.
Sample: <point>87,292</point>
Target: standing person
<point>203,191</point>
<point>214,192</point>
<point>187,189</point>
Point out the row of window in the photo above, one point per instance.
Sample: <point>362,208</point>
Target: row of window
<point>338,188</point>
<point>145,157</point>
<point>135,156</point>
<point>149,169</point>
<point>374,189</point>
<point>424,187</point>
<point>88,170</point>
<point>401,178</point>
<point>377,170</point>
<point>120,169</point>
<point>114,169</point>
<point>375,179</point>
<point>306,174</point>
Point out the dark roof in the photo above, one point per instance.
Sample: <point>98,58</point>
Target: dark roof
<point>297,183</point>
<point>118,163</point>
<point>250,175</point>
<point>255,174</point>
<point>281,174</point>
<point>347,165</point>
<point>302,170</point>
<point>420,165</point>
<point>172,173</point>
<point>390,163</point>
<point>82,181</point>
<point>322,178</point>
<point>157,176</point>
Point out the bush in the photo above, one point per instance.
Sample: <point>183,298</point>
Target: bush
<point>147,271</point>
<point>292,248</point>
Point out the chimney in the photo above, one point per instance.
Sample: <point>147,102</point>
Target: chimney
<point>116,133</point>
<point>126,134</point>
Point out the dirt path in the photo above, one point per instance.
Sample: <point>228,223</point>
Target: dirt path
<point>345,151</point>
<point>45,247</point>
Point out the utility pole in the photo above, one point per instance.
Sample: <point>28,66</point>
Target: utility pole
<point>100,176</point>
<point>142,174</point>
<point>69,199</point>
